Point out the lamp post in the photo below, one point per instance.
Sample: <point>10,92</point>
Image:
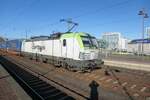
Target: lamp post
<point>144,16</point>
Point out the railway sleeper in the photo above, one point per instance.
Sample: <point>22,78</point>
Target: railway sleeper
<point>40,85</point>
<point>37,83</point>
<point>66,98</point>
<point>45,88</point>
<point>51,91</point>
<point>54,96</point>
<point>22,73</point>
<point>27,77</point>
<point>33,81</point>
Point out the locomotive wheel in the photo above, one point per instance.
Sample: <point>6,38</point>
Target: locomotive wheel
<point>65,65</point>
<point>30,58</point>
<point>89,71</point>
<point>69,68</point>
<point>40,60</point>
<point>82,70</point>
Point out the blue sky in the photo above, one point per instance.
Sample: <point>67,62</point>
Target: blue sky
<point>41,17</point>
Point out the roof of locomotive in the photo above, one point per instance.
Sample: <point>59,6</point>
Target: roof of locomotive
<point>56,36</point>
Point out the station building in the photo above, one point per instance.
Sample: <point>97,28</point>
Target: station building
<point>135,46</point>
<point>115,41</point>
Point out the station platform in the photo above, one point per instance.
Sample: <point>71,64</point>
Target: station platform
<point>136,65</point>
<point>9,88</point>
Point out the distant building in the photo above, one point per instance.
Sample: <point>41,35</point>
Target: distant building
<point>2,39</point>
<point>135,46</point>
<point>148,32</point>
<point>115,41</point>
<point>124,44</point>
<point>102,43</point>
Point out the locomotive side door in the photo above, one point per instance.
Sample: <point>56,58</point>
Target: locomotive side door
<point>64,48</point>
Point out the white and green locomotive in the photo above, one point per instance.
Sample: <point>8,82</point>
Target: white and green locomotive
<point>74,51</point>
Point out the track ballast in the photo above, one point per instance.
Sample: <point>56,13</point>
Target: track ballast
<point>33,85</point>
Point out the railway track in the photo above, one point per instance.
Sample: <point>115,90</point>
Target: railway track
<point>131,71</point>
<point>130,83</point>
<point>33,85</point>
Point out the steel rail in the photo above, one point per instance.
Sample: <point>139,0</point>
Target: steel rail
<point>43,75</point>
<point>12,70</point>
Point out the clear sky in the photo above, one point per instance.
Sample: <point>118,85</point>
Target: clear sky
<point>41,17</point>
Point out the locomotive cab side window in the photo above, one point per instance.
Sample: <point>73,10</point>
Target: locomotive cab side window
<point>64,42</point>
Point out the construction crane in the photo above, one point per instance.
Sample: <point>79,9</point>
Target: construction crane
<point>70,23</point>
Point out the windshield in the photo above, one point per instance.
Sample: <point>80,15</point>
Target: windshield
<point>94,42</point>
<point>89,41</point>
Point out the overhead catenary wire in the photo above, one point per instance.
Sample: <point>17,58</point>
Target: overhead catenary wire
<point>113,22</point>
<point>79,16</point>
<point>82,15</point>
<point>36,1</point>
<point>20,12</point>
<point>102,9</point>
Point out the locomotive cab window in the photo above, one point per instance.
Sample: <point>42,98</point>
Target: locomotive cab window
<point>64,42</point>
<point>89,41</point>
